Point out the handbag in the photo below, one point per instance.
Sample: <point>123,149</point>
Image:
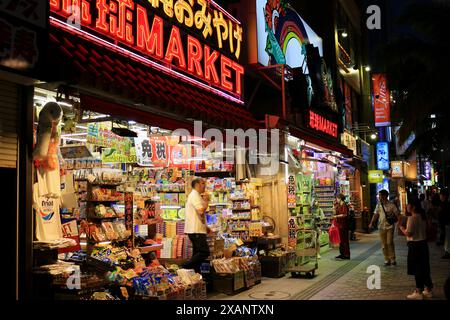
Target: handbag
<point>391,218</point>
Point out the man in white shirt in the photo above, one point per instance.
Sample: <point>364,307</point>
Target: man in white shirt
<point>195,225</point>
<point>383,208</point>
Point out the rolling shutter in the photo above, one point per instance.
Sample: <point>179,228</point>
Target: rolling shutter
<point>9,101</point>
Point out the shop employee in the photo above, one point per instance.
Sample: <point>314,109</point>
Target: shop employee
<point>195,225</point>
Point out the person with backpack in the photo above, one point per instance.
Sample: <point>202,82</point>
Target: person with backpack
<point>387,214</point>
<point>341,216</point>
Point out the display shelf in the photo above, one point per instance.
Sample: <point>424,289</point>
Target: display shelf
<point>239,230</point>
<point>151,248</point>
<point>101,184</point>
<point>217,174</point>
<point>240,199</point>
<point>239,218</point>
<point>90,200</point>
<point>104,218</point>
<point>219,204</point>
<point>241,209</point>
<point>170,191</point>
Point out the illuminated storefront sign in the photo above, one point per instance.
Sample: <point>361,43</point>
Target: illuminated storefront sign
<point>397,169</point>
<point>349,141</point>
<point>376,176</point>
<point>178,35</point>
<point>319,123</point>
<point>383,156</point>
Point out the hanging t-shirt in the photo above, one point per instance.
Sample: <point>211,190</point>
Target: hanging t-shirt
<point>48,221</point>
<point>49,182</point>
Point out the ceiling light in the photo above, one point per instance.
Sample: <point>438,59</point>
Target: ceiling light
<point>373,136</point>
<point>367,68</point>
<point>344,34</point>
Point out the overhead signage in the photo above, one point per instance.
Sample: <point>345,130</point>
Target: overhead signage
<point>381,101</point>
<point>376,176</point>
<point>196,38</point>
<point>397,169</point>
<point>100,134</point>
<point>323,125</point>
<point>282,33</point>
<point>349,141</point>
<point>383,156</point>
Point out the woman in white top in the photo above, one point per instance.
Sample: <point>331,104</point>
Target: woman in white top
<point>418,253</point>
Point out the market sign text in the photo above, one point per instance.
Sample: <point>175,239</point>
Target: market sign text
<point>319,123</point>
<point>139,26</point>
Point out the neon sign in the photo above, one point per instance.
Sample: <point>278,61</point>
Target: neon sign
<point>162,30</point>
<point>322,124</point>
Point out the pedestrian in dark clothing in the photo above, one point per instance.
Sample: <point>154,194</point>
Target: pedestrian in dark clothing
<point>443,216</point>
<point>341,216</point>
<point>418,252</point>
<point>352,223</point>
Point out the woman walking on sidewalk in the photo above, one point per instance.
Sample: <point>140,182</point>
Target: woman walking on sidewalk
<point>341,216</point>
<point>418,252</point>
<point>387,214</point>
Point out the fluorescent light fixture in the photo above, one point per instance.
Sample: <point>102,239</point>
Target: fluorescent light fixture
<point>74,139</point>
<point>104,242</point>
<point>307,145</point>
<point>64,103</point>
<point>433,116</point>
<point>170,207</point>
<point>73,135</point>
<point>81,127</point>
<point>196,139</point>
<point>96,117</point>
<point>132,122</point>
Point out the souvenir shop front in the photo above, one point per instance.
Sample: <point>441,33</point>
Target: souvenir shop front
<point>112,170</point>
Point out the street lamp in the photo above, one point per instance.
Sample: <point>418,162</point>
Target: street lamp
<point>373,136</point>
<point>367,68</point>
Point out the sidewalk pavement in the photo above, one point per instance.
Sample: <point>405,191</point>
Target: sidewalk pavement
<point>347,279</point>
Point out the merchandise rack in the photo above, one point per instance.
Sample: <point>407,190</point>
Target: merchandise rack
<point>324,196</point>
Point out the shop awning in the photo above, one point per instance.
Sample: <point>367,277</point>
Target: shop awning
<point>321,141</point>
<point>78,62</point>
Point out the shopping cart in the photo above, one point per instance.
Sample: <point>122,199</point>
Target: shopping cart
<point>307,252</point>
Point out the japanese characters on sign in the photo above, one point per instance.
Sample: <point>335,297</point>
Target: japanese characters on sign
<point>319,123</point>
<point>349,141</point>
<point>292,201</point>
<point>292,232</point>
<point>383,156</point>
<point>154,29</point>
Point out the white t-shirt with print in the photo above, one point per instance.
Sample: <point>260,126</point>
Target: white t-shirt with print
<point>193,223</point>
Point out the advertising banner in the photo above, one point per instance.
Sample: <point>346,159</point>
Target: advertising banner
<point>383,156</point>
<point>381,100</point>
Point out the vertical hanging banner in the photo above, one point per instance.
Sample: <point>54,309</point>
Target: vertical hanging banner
<point>381,101</point>
<point>383,156</point>
<point>292,201</point>
<point>128,197</point>
<point>292,235</point>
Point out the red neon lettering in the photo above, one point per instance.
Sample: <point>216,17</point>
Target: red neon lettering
<point>150,41</point>
<point>239,73</point>
<point>54,5</point>
<point>66,7</point>
<point>175,48</point>
<point>226,73</point>
<point>195,56</point>
<point>210,67</point>
<point>102,12</point>
<point>120,20</point>
<point>86,12</point>
<point>321,124</point>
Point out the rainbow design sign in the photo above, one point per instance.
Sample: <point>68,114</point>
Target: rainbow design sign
<point>283,34</point>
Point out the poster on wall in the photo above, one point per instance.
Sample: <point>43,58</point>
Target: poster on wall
<point>70,231</point>
<point>282,34</point>
<point>383,156</point>
<point>381,101</point>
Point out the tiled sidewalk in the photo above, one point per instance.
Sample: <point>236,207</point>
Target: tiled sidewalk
<point>347,280</point>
